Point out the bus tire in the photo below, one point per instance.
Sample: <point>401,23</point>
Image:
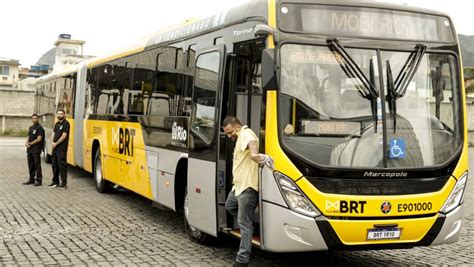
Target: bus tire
<point>102,185</point>
<point>194,234</point>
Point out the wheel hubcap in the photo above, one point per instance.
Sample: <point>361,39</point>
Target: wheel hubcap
<point>98,172</point>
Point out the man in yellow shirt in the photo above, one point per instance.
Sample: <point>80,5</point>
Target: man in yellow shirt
<point>243,198</point>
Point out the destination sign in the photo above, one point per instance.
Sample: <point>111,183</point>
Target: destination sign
<point>333,128</point>
<point>315,57</point>
<point>365,22</point>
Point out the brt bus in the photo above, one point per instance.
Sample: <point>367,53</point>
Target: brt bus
<point>361,106</point>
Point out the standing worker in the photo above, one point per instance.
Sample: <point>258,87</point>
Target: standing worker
<point>34,146</point>
<point>243,198</point>
<point>59,147</point>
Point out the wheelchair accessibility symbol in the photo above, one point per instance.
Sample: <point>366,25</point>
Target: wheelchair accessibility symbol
<point>397,148</point>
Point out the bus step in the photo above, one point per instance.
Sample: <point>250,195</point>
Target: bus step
<point>255,237</point>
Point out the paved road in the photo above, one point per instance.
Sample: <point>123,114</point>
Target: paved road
<point>78,226</point>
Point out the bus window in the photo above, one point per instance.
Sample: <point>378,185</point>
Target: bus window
<point>67,94</point>
<point>188,71</point>
<point>144,71</point>
<point>249,85</point>
<point>106,102</point>
<point>91,80</point>
<point>205,93</point>
<point>121,83</point>
<point>167,82</point>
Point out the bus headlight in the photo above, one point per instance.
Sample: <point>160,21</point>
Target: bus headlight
<point>296,200</point>
<point>457,195</point>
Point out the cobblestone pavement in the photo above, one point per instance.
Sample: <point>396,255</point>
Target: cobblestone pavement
<point>78,226</point>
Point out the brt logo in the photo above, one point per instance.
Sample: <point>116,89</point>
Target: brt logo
<point>123,138</point>
<point>344,206</point>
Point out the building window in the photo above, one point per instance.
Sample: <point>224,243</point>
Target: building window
<point>4,70</point>
<point>68,51</point>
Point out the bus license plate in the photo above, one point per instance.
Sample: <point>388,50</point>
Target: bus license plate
<point>383,233</point>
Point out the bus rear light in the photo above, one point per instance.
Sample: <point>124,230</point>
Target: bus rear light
<point>294,198</point>
<point>457,195</point>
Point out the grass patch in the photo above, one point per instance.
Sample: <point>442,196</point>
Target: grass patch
<point>11,133</point>
<point>470,89</point>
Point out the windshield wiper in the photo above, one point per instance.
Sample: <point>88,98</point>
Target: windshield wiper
<point>391,96</point>
<point>409,69</point>
<point>352,70</point>
<point>398,89</point>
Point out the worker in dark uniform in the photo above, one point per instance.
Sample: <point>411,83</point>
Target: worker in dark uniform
<point>59,146</point>
<point>34,146</point>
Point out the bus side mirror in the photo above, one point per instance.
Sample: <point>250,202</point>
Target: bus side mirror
<point>268,69</point>
<point>263,30</point>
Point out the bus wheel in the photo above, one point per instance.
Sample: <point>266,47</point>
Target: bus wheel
<point>193,233</point>
<point>102,185</point>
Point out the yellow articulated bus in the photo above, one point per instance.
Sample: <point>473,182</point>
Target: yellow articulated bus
<point>361,106</point>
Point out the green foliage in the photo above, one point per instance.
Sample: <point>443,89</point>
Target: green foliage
<point>7,132</point>
<point>470,89</point>
<point>21,133</point>
<point>468,73</point>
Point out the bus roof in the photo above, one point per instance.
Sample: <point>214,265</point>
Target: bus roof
<point>254,9</point>
<point>59,73</point>
<point>115,55</point>
<point>189,28</point>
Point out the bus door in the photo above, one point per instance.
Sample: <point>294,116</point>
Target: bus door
<point>204,127</point>
<point>226,146</point>
<point>241,97</point>
<point>79,103</point>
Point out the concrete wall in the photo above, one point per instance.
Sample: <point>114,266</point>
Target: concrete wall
<point>16,107</point>
<point>15,123</point>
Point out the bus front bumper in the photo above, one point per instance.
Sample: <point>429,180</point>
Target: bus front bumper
<point>287,231</point>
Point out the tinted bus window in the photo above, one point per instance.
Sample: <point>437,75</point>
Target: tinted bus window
<point>144,72</point>
<point>205,94</point>
<point>104,92</point>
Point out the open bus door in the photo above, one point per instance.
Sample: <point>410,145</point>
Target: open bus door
<point>200,202</point>
<point>241,97</point>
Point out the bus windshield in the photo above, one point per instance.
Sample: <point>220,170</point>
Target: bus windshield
<point>325,119</point>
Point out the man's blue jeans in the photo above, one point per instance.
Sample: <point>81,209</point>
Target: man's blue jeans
<point>243,207</point>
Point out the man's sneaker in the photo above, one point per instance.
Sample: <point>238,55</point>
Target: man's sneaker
<point>53,185</point>
<point>37,183</point>
<point>29,182</point>
<point>63,186</point>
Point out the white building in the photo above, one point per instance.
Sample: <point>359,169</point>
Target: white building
<point>8,73</point>
<point>16,98</point>
<point>68,51</point>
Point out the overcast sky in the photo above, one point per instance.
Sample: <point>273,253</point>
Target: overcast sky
<point>30,27</point>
